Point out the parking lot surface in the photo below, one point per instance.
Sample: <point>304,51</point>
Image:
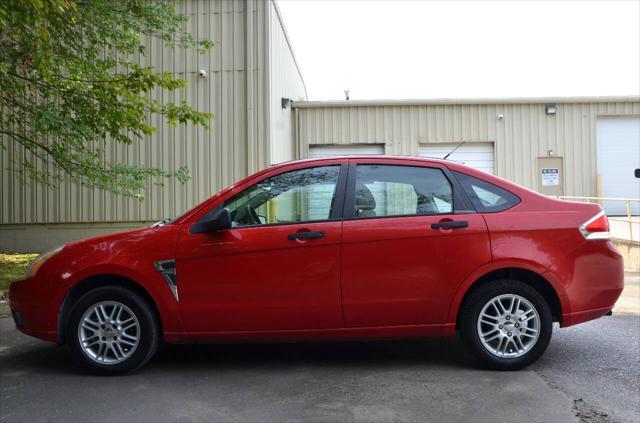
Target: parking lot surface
<point>590,372</point>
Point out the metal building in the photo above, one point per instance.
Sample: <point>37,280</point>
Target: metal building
<point>561,146</point>
<point>248,72</point>
<point>557,146</point>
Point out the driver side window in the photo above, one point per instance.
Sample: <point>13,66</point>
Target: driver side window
<point>299,196</point>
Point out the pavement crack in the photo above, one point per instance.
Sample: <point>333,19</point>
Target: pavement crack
<point>589,414</point>
<point>584,412</point>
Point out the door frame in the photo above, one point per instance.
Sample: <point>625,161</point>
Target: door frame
<point>336,208</point>
<point>461,203</point>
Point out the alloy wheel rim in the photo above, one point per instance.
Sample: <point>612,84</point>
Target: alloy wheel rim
<point>508,326</point>
<point>109,332</point>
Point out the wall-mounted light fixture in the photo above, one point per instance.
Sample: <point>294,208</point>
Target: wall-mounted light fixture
<point>550,153</point>
<point>202,73</point>
<point>550,109</point>
<point>499,115</point>
<point>285,102</point>
<point>347,94</point>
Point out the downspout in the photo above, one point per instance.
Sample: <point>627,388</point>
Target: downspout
<point>251,138</point>
<point>267,85</point>
<point>297,153</point>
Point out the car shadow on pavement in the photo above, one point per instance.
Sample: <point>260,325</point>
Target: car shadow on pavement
<point>46,358</point>
<point>43,358</point>
<point>430,352</point>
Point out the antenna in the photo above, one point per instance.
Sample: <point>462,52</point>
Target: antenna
<point>453,151</point>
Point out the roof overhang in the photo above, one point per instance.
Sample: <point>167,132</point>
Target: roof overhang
<point>463,101</point>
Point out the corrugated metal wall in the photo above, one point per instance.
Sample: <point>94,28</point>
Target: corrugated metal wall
<point>285,81</point>
<point>524,133</point>
<point>215,159</point>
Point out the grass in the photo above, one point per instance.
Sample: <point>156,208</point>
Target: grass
<point>13,267</point>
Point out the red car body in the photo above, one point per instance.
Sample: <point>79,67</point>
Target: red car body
<point>367,278</point>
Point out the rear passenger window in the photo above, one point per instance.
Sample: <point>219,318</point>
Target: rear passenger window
<point>485,196</point>
<point>384,190</point>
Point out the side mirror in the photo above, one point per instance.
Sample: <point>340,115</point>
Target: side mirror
<point>219,220</point>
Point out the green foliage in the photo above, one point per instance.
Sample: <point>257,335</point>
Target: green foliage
<point>13,267</point>
<point>69,86</point>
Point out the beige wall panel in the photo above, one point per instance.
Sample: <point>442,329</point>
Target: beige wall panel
<point>285,81</point>
<point>215,158</point>
<point>42,237</point>
<point>524,133</point>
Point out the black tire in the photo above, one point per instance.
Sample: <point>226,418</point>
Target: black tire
<point>149,330</point>
<point>470,313</point>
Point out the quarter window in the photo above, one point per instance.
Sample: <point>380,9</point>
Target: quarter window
<point>299,196</point>
<point>384,190</point>
<point>485,196</point>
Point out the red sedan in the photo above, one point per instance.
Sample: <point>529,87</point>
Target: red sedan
<point>334,248</point>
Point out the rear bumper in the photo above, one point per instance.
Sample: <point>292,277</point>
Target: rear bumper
<point>31,310</point>
<point>584,316</point>
<point>595,280</point>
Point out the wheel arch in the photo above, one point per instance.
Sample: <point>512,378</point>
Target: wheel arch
<point>92,282</point>
<point>532,278</point>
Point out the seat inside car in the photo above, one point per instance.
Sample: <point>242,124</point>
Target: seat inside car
<point>365,203</point>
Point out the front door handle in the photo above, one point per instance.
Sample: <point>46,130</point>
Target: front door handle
<point>306,235</point>
<point>450,224</point>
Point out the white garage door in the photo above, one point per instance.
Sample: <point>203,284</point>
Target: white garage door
<point>345,150</point>
<point>477,155</point>
<point>618,155</point>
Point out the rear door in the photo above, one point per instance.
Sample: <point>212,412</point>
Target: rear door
<point>409,239</point>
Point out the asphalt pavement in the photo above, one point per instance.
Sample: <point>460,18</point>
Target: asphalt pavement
<point>590,372</point>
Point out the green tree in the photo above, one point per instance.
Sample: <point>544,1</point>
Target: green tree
<point>69,86</point>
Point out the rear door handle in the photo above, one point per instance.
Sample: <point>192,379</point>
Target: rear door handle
<point>306,235</point>
<point>450,224</point>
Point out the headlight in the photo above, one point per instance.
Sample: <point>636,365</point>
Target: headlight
<point>40,260</point>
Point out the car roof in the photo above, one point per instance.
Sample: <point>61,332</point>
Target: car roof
<point>370,156</point>
<point>451,164</point>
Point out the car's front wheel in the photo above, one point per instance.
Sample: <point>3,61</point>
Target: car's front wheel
<point>506,324</point>
<point>112,330</point>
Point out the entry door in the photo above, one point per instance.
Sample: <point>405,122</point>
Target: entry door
<point>550,176</point>
<point>278,268</point>
<point>405,250</point>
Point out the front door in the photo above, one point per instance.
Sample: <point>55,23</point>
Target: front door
<point>550,176</point>
<point>277,268</point>
<point>406,247</point>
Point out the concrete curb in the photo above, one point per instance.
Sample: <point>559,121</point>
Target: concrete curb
<point>630,251</point>
<point>5,311</point>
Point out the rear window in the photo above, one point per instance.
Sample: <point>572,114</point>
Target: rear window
<point>486,197</point>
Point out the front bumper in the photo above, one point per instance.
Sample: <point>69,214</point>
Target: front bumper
<point>32,309</point>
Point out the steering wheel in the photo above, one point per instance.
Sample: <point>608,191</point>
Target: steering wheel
<point>251,215</point>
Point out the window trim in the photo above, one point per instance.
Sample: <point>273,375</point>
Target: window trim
<point>335,214</point>
<point>461,204</point>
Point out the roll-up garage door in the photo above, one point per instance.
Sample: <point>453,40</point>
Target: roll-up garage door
<point>618,155</point>
<point>477,155</point>
<point>344,150</point>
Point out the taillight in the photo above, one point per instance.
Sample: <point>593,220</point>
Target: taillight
<point>596,228</point>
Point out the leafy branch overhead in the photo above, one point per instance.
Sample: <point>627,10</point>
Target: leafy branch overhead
<point>70,85</point>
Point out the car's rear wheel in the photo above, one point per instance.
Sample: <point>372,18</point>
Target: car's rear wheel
<point>506,324</point>
<point>112,330</point>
